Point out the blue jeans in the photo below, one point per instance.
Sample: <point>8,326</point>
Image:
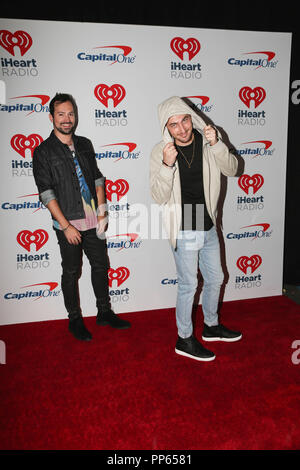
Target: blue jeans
<point>197,249</point>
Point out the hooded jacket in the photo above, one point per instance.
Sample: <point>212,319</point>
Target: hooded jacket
<point>165,182</point>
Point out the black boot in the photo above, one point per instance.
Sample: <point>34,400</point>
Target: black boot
<point>108,317</point>
<point>77,328</point>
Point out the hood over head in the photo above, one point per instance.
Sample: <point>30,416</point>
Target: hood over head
<point>173,106</point>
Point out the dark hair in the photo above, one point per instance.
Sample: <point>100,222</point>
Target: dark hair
<point>62,98</point>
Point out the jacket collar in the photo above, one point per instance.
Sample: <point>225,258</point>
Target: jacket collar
<point>54,138</point>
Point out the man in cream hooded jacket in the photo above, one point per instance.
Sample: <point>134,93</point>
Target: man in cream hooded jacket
<point>179,123</point>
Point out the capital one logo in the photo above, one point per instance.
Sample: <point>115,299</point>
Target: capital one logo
<point>119,275</point>
<point>20,143</point>
<point>179,46</point>
<point>265,227</point>
<point>36,295</point>
<point>38,107</point>
<point>203,99</point>
<point>248,95</point>
<point>130,145</point>
<point>129,243</point>
<point>270,55</point>
<point>20,38</point>
<point>103,93</point>
<point>47,291</point>
<point>255,182</point>
<point>119,187</point>
<point>244,263</point>
<point>257,150</point>
<point>39,237</point>
<point>119,151</point>
<point>202,104</point>
<point>126,49</point>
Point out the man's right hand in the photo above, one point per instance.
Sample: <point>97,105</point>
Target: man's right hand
<point>72,235</point>
<point>169,154</point>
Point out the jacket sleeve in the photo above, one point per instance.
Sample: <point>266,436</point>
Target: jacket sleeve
<point>225,160</point>
<point>42,176</point>
<point>98,176</point>
<point>161,177</point>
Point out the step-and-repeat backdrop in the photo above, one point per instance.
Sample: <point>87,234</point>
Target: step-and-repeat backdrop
<point>118,75</point>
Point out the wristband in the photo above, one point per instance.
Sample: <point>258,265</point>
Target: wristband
<point>64,229</point>
<point>169,166</point>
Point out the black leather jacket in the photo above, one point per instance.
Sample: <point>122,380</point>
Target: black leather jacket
<point>55,175</point>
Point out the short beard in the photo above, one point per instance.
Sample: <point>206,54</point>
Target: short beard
<point>62,131</point>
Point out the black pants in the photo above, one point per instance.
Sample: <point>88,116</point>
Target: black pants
<point>96,252</point>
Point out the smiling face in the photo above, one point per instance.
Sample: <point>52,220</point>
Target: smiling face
<point>63,119</point>
<point>180,127</point>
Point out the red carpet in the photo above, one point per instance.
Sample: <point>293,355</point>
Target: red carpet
<point>129,390</point>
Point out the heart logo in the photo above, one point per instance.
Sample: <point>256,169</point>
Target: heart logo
<point>20,143</point>
<point>255,182</point>
<point>180,46</point>
<point>248,94</point>
<point>243,263</point>
<point>120,275</point>
<point>118,187</point>
<point>116,93</point>
<point>20,39</point>
<point>25,238</point>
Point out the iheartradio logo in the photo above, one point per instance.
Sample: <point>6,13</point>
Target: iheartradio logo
<point>255,95</point>
<point>116,93</point>
<point>119,187</point>
<point>39,237</point>
<point>244,263</point>
<point>191,46</point>
<point>20,143</point>
<point>119,275</point>
<point>246,182</point>
<point>19,39</point>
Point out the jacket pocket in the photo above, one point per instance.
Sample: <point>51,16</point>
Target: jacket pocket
<point>58,169</point>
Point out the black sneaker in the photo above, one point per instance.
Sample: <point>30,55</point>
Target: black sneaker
<point>220,333</point>
<point>110,318</point>
<point>190,347</point>
<point>77,328</point>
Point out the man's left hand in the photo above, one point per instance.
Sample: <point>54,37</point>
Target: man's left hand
<point>101,226</point>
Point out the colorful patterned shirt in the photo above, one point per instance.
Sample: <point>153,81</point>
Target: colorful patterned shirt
<point>88,202</point>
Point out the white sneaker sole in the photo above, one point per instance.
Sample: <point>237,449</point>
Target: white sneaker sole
<point>205,359</point>
<point>226,340</point>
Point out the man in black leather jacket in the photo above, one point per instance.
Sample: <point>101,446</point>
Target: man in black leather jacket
<point>72,187</point>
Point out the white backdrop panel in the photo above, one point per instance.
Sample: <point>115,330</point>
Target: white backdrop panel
<point>226,74</point>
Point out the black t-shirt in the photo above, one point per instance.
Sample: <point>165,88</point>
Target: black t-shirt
<point>194,212</point>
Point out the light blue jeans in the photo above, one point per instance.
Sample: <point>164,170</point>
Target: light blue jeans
<point>197,250</point>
